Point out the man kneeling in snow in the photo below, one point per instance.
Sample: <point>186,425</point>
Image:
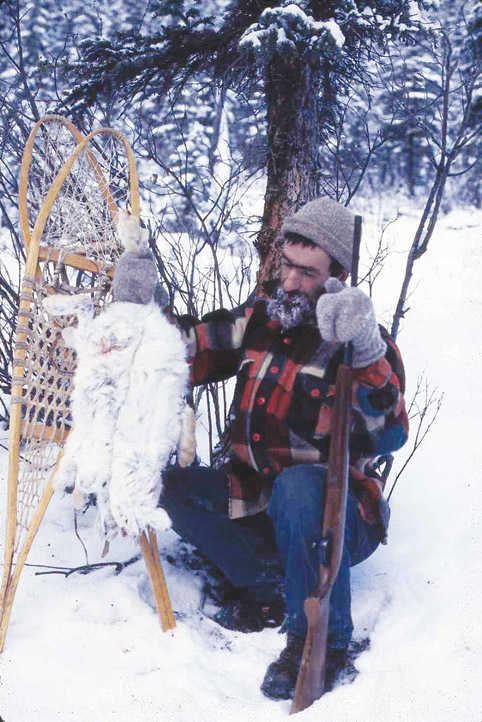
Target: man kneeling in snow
<point>265,496</point>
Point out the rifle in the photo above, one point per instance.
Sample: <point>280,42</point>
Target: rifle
<point>311,677</point>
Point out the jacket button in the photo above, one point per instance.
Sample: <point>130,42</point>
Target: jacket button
<point>266,470</point>
<point>256,437</point>
<point>274,369</point>
<point>287,340</point>
<point>261,401</point>
<point>315,393</point>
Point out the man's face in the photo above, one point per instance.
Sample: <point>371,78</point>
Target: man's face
<point>304,270</point>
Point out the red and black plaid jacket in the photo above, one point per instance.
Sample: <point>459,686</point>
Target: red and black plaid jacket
<point>282,406</point>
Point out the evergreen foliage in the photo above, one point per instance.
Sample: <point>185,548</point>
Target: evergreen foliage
<point>427,104</point>
<point>298,57</point>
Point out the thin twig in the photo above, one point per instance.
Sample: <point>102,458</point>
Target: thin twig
<point>79,538</point>
<point>421,412</point>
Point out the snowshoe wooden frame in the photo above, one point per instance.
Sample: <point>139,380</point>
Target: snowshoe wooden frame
<point>42,368</point>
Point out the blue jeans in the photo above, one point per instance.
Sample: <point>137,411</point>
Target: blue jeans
<point>196,499</point>
<point>295,508</point>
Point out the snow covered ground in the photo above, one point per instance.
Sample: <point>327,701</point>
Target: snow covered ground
<point>89,648</point>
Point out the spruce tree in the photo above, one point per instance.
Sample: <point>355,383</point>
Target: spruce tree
<point>300,56</point>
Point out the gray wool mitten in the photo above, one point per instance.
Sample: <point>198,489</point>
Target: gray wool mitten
<point>135,280</point>
<point>347,314</point>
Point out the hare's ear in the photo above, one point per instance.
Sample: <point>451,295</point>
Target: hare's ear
<point>129,231</point>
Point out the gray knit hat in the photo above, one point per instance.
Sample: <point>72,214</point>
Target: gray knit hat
<point>328,224</point>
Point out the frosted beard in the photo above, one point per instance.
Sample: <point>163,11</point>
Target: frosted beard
<point>291,309</point>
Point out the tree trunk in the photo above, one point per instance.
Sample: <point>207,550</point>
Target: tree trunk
<point>292,94</point>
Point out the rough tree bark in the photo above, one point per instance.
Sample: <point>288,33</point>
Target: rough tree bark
<point>292,92</point>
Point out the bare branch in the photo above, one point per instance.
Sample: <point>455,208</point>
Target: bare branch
<point>423,400</point>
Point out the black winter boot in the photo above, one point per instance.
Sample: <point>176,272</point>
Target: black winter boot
<point>340,667</point>
<point>336,667</point>
<point>280,679</point>
<point>244,614</point>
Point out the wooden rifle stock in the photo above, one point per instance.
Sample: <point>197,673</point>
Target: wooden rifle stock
<point>311,677</point>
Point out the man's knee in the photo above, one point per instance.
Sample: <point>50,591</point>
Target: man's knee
<point>298,494</point>
<point>301,481</point>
